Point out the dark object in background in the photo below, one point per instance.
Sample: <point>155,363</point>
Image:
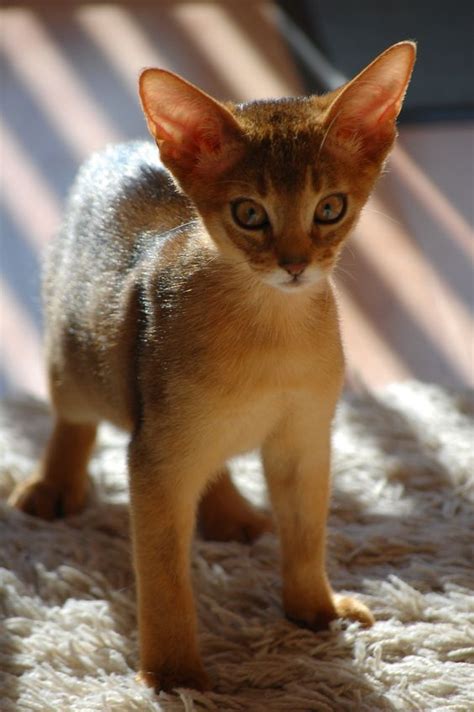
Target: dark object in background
<point>347,34</point>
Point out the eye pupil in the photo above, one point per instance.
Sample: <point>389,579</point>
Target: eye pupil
<point>330,209</point>
<point>249,214</point>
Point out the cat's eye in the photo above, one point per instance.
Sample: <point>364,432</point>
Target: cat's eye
<point>330,209</point>
<point>249,214</point>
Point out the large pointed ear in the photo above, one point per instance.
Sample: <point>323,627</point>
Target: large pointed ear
<point>365,110</point>
<point>195,133</point>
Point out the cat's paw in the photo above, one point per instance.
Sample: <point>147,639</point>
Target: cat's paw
<point>353,609</point>
<point>244,526</point>
<point>194,679</point>
<point>345,607</point>
<point>41,499</point>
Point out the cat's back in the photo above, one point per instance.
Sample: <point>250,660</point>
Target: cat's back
<point>122,202</point>
<point>118,194</point>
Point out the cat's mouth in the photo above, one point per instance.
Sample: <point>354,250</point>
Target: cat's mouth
<point>295,283</point>
<point>297,280</point>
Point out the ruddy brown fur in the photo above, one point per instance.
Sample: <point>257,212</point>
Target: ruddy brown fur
<point>192,305</point>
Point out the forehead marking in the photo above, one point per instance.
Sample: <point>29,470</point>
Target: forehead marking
<point>293,210</point>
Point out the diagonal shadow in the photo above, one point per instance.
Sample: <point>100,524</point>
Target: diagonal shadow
<point>104,520</point>
<point>100,76</point>
<point>445,255</point>
<point>417,467</point>
<point>377,300</point>
<point>20,266</point>
<point>27,121</point>
<point>179,45</point>
<point>100,534</point>
<point>254,23</point>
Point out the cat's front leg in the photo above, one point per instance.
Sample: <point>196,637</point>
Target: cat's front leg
<point>297,468</point>
<point>164,495</point>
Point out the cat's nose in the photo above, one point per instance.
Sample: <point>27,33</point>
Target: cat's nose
<point>295,268</point>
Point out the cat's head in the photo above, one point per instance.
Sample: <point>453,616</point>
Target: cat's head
<point>279,184</point>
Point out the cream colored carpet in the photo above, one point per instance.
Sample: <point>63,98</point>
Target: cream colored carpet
<point>401,536</point>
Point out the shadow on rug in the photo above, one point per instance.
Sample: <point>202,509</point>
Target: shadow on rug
<point>400,536</point>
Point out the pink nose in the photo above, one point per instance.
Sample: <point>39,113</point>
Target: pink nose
<point>294,268</point>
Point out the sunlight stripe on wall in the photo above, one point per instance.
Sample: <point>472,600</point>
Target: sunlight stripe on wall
<point>21,357</point>
<point>53,82</point>
<point>367,351</point>
<point>31,203</point>
<point>405,271</point>
<point>433,199</point>
<point>246,69</point>
<point>124,45</point>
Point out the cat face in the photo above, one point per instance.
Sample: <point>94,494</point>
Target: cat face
<point>279,184</point>
<point>289,240</point>
<point>287,205</point>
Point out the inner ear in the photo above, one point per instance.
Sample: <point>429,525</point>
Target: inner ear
<point>367,107</point>
<point>193,131</point>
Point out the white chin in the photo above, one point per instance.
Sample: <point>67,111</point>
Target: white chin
<point>295,286</point>
<point>292,287</point>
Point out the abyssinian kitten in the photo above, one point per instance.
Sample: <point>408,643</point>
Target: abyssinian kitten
<point>190,303</point>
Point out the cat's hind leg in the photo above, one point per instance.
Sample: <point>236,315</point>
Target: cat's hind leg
<point>226,515</point>
<point>59,486</point>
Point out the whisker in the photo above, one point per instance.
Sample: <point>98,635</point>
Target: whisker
<point>380,212</point>
<point>345,272</point>
<point>238,182</point>
<point>176,228</point>
<point>350,249</point>
<point>326,134</point>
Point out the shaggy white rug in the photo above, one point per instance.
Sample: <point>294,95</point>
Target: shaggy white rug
<point>401,537</point>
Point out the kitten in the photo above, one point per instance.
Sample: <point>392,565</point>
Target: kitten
<point>190,302</point>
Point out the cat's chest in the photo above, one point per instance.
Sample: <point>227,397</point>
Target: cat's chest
<point>259,381</point>
<point>252,400</point>
<point>272,361</point>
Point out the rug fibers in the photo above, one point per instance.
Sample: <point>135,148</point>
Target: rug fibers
<point>400,537</point>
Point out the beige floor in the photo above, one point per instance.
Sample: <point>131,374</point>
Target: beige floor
<point>69,87</point>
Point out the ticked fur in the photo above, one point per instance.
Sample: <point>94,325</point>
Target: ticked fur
<point>207,332</point>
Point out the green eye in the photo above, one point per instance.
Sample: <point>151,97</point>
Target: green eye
<point>330,209</point>
<point>249,214</point>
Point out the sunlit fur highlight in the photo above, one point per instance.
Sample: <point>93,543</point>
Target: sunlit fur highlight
<point>166,318</point>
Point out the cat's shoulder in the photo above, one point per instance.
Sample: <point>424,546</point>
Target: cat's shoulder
<point>124,190</point>
<point>129,156</point>
<point>125,168</point>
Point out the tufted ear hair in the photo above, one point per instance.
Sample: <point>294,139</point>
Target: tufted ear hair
<point>195,133</point>
<point>365,109</point>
